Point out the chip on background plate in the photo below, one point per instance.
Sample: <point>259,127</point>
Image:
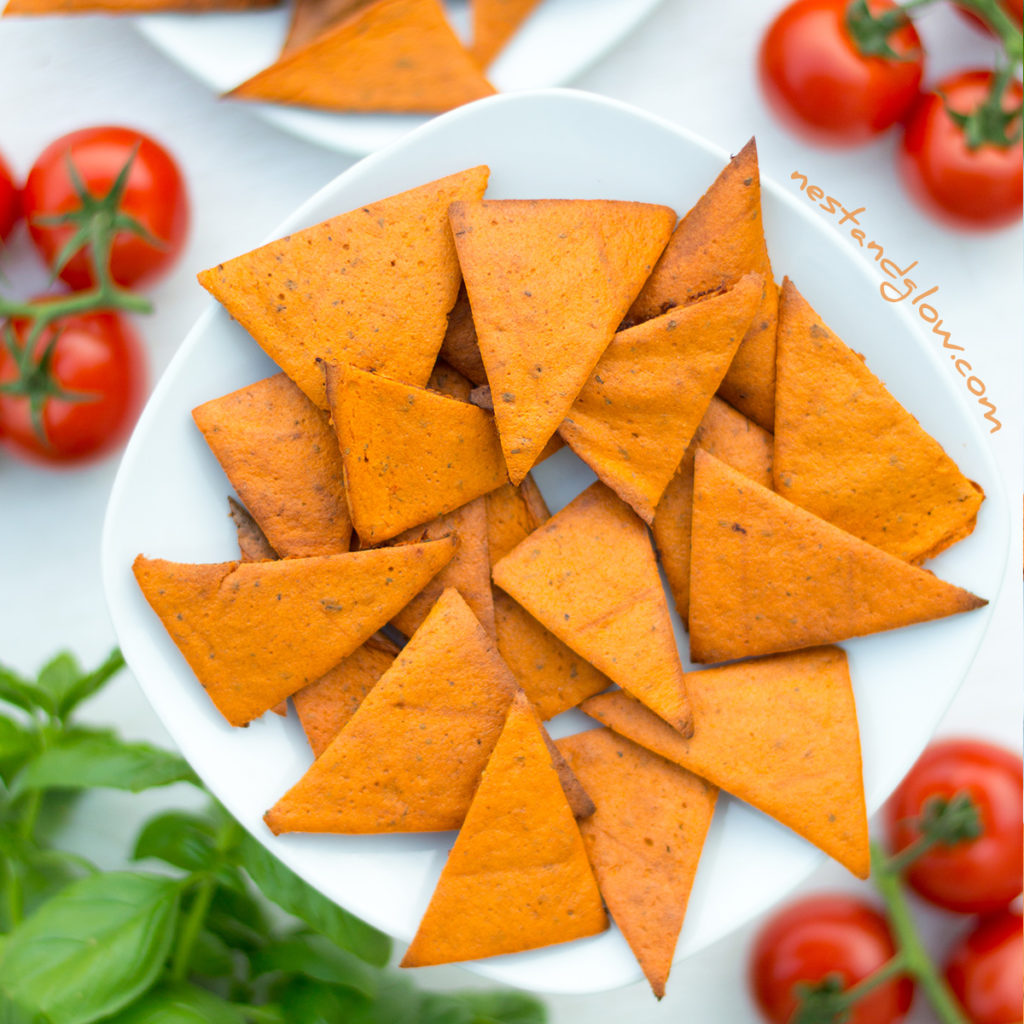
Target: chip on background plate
<point>372,287</point>
<point>846,450</point>
<point>589,574</point>
<point>390,56</point>
<point>715,244</point>
<point>768,576</point>
<point>779,733</point>
<point>644,839</point>
<point>517,877</point>
<point>637,413</point>
<point>255,632</point>
<point>549,281</point>
<point>737,441</point>
<point>494,23</point>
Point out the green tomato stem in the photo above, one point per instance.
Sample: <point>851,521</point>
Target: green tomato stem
<point>916,961</point>
<point>894,968</point>
<point>1002,24</point>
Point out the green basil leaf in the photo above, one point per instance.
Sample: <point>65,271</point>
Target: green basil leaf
<point>288,891</point>
<point>439,1008</point>
<point>179,1004</point>
<point>56,679</point>
<point>500,1006</point>
<point>92,949</point>
<point>86,760</point>
<point>184,840</point>
<point>239,919</point>
<point>17,744</point>
<point>17,690</point>
<point>317,958</point>
<point>311,1002</point>
<point>211,957</point>
<point>12,1013</point>
<point>86,685</point>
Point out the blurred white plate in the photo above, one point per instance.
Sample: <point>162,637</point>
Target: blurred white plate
<point>557,42</point>
<point>169,501</point>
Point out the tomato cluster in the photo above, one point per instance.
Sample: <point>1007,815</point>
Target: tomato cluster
<point>839,72</point>
<point>833,942</point>
<point>71,385</point>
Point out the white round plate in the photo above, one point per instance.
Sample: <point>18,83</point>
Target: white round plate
<point>169,500</point>
<point>557,42</point>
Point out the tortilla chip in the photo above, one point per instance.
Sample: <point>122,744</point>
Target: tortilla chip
<point>579,800</point>
<point>372,287</point>
<point>589,575</point>
<point>391,56</point>
<point>737,441</point>
<point>767,576</point>
<point>62,7</point>
<point>517,877</point>
<point>549,281</point>
<point>494,24</point>
<point>325,706</point>
<point>255,632</point>
<point>253,545</point>
<point>552,675</point>
<point>281,456</point>
<point>847,451</point>
<point>311,17</point>
<point>410,757</point>
<point>633,419</point>
<point>459,347</point>
<point>644,840</point>
<point>469,571</point>
<point>409,454</point>
<point>715,244</point>
<point>449,381</point>
<point>778,733</point>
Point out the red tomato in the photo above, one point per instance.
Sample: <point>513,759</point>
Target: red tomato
<point>975,876</point>
<point>1014,8</point>
<point>155,197</point>
<point>822,935</point>
<point>10,201</point>
<point>972,188</point>
<point>819,83</point>
<point>986,969</point>
<point>98,356</point>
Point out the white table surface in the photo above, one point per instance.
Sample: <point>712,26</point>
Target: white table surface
<point>692,61</point>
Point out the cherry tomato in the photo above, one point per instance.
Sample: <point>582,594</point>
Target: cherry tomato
<point>10,201</point>
<point>986,969</point>
<point>817,80</point>
<point>822,935</point>
<point>975,876</point>
<point>1014,8</point>
<point>97,356</point>
<point>971,188</point>
<point>154,196</point>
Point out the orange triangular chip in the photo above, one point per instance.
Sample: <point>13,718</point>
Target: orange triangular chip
<point>766,575</point>
<point>715,244</point>
<point>449,381</point>
<point>644,840</point>
<point>281,456</point>
<point>391,56</point>
<point>494,24</point>
<point>517,877</point>
<point>549,282</point>
<point>253,545</point>
<point>372,287</point>
<point>409,454</point>
<point>779,733</point>
<point>469,571</point>
<point>589,575</point>
<point>636,414</point>
<point>30,7</point>
<point>325,706</point>
<point>459,347</point>
<point>847,451</point>
<point>311,17</point>
<point>410,758</point>
<point>734,439</point>
<point>552,675</point>
<point>255,632</point>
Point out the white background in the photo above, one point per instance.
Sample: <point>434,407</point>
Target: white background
<point>691,61</point>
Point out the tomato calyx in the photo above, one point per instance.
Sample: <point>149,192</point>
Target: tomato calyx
<point>871,32</point>
<point>828,1001</point>
<point>989,123</point>
<point>945,821</point>
<point>34,378</point>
